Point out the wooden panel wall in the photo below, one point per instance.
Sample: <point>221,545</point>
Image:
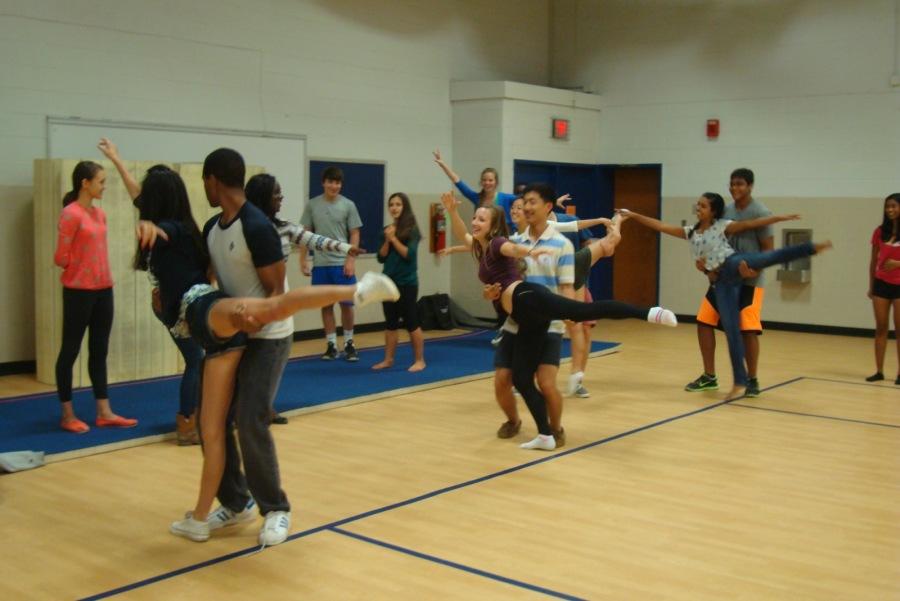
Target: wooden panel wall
<point>140,346</point>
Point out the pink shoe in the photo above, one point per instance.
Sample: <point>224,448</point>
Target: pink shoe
<point>116,422</point>
<point>75,425</point>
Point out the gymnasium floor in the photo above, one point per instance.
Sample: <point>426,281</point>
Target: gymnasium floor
<point>659,494</point>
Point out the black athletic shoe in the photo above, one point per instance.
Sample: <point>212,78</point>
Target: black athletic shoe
<point>876,377</point>
<point>752,388</point>
<point>330,353</point>
<point>277,418</point>
<point>350,353</point>
<point>704,382</point>
<point>897,381</point>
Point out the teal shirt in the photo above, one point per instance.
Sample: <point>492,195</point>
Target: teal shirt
<point>403,271</point>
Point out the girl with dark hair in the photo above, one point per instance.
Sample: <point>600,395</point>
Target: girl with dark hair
<point>397,252</point>
<point>533,306</point>
<point>264,191</point>
<point>81,250</point>
<point>725,267</point>
<point>884,282</point>
<point>165,193</point>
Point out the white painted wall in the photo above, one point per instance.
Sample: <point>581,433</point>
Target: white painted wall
<point>803,92</point>
<point>360,81</point>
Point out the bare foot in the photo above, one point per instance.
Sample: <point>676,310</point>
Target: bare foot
<point>417,366</point>
<point>736,393</point>
<point>383,365</point>
<point>822,246</point>
<point>745,271</point>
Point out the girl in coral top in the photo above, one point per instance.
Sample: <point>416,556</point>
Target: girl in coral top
<point>81,250</point>
<point>884,281</point>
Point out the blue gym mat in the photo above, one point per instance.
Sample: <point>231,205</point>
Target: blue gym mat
<point>32,422</point>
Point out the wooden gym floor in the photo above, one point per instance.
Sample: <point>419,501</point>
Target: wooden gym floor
<point>659,494</point>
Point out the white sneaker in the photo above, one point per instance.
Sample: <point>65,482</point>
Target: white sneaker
<point>542,442</point>
<point>275,530</point>
<point>375,287</point>
<point>222,516</point>
<point>662,317</point>
<point>190,528</point>
<point>574,383</point>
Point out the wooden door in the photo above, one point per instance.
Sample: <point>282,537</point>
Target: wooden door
<point>636,260</point>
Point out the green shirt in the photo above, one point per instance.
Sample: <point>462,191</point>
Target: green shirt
<point>403,271</point>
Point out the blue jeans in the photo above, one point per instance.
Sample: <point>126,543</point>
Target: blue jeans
<point>190,381</point>
<point>728,290</point>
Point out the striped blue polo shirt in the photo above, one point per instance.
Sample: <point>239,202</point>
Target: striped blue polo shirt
<point>548,270</point>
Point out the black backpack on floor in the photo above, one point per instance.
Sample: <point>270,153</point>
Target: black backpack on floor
<point>434,312</point>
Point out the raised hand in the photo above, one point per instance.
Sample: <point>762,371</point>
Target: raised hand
<point>449,201</point>
<point>108,149</point>
<point>437,156</point>
<point>390,231</point>
<point>562,200</point>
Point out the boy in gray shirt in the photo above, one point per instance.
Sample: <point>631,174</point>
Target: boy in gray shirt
<point>743,208</point>
<point>335,216</point>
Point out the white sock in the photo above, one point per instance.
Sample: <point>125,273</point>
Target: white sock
<point>542,442</point>
<point>331,338</point>
<point>348,336</point>
<point>662,316</point>
<point>574,382</point>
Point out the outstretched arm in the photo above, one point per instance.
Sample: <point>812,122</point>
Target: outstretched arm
<point>751,224</point>
<point>299,236</point>
<point>461,248</point>
<point>459,227</point>
<point>445,167</point>
<point>111,152</point>
<point>654,224</point>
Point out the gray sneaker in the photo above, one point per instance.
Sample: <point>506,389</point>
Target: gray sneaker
<point>581,392</point>
<point>223,517</point>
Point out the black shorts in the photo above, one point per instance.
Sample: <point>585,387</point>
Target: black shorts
<point>549,354</point>
<point>405,308</point>
<point>883,289</point>
<point>197,317</point>
<point>582,267</point>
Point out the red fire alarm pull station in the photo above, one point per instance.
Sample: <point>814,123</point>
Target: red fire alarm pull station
<point>561,129</point>
<point>712,129</point>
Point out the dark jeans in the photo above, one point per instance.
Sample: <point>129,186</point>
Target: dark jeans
<point>728,292</point>
<point>189,395</point>
<point>259,374</point>
<point>90,310</point>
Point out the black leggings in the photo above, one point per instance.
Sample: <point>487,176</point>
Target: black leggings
<point>83,309</point>
<point>404,307</point>
<point>534,307</point>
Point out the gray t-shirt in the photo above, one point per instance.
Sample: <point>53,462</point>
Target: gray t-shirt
<point>332,219</point>
<point>749,240</point>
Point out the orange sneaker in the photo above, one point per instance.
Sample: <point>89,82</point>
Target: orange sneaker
<point>75,425</point>
<point>116,422</point>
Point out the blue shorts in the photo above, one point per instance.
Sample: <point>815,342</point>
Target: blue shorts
<point>332,275</point>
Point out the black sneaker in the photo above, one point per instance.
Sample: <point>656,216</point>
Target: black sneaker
<point>330,353</point>
<point>876,377</point>
<point>752,388</point>
<point>704,382</point>
<point>350,353</point>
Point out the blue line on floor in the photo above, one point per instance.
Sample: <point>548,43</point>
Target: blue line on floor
<point>458,566</point>
<point>886,386</point>
<point>800,413</point>
<point>423,497</point>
